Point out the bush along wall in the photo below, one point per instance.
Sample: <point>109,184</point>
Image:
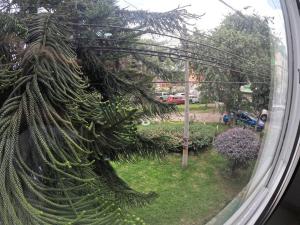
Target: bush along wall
<point>170,136</point>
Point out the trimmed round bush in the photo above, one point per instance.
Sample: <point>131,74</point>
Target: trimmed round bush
<point>239,145</point>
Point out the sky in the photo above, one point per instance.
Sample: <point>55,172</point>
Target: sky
<point>214,10</point>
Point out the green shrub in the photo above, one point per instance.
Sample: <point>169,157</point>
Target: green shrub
<point>170,135</point>
<point>199,142</point>
<point>239,145</point>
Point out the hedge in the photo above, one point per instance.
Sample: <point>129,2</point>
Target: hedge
<point>171,135</point>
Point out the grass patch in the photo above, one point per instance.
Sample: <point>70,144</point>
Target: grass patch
<point>186,196</point>
<point>197,108</point>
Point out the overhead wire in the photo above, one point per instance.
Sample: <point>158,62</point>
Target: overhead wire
<point>241,58</point>
<point>130,4</point>
<point>219,61</point>
<point>175,57</point>
<point>235,10</point>
<point>170,55</point>
<point>172,36</point>
<point>160,34</point>
<point>212,62</point>
<point>148,44</point>
<point>149,31</point>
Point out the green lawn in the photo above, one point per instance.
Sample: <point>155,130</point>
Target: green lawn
<point>186,196</point>
<point>196,108</point>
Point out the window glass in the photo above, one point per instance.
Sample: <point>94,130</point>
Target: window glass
<point>138,112</point>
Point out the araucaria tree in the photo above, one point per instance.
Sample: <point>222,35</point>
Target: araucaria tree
<point>242,55</point>
<point>71,93</point>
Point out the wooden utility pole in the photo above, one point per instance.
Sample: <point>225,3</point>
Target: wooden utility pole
<point>185,152</point>
<point>186,132</point>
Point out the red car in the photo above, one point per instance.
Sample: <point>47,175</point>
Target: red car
<point>178,100</point>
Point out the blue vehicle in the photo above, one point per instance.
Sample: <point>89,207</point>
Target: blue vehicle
<point>245,118</point>
<point>250,120</point>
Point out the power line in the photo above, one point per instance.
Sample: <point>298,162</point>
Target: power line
<point>177,52</point>
<point>170,36</point>
<point>201,59</point>
<point>160,34</point>
<point>170,55</point>
<point>179,38</point>
<point>235,10</point>
<point>177,57</point>
<point>148,31</point>
<point>219,61</point>
<point>130,4</point>
<point>215,62</point>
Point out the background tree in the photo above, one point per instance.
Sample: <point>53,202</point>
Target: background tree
<point>71,93</point>
<point>242,55</point>
<point>162,66</point>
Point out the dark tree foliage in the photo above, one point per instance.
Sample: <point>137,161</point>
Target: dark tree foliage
<point>69,105</point>
<point>247,42</point>
<point>239,145</point>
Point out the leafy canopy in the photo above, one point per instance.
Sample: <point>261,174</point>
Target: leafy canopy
<point>243,56</point>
